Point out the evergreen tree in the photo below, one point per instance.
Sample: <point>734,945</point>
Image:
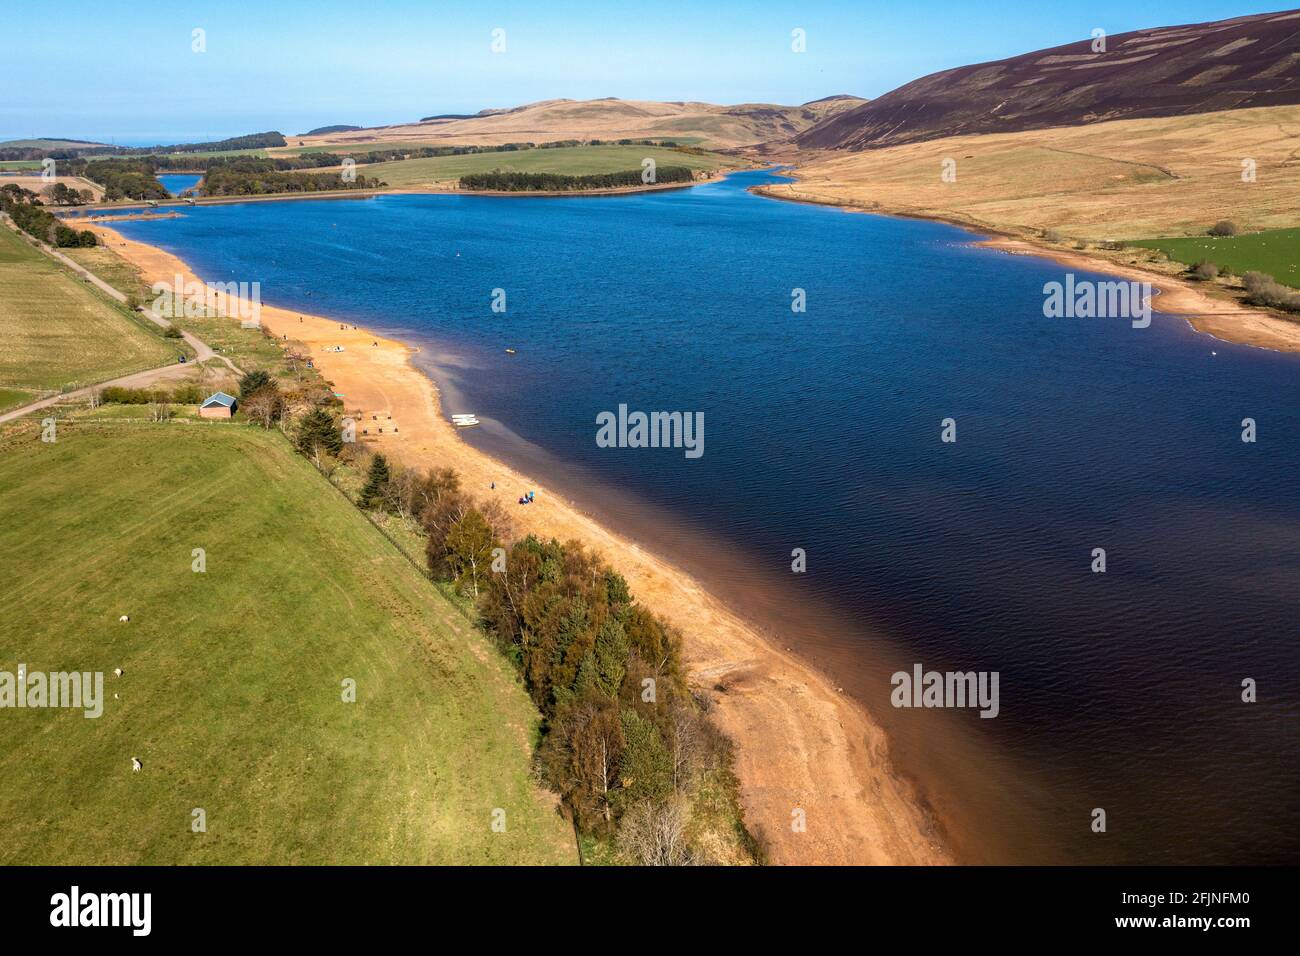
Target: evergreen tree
<point>646,770</point>
<point>254,381</point>
<point>376,478</point>
<point>317,432</point>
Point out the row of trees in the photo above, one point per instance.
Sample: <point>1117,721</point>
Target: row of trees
<point>624,742</point>
<point>248,176</point>
<point>502,181</point>
<point>61,194</point>
<point>30,215</point>
<point>179,395</point>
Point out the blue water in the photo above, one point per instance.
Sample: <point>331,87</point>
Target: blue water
<point>177,183</point>
<point>1119,691</point>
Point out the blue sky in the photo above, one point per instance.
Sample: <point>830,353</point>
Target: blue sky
<point>126,71</point>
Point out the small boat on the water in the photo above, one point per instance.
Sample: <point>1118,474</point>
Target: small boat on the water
<point>510,351</point>
<point>464,420</point>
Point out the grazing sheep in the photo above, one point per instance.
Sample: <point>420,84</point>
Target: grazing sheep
<point>124,618</point>
<point>117,672</point>
<point>136,765</point>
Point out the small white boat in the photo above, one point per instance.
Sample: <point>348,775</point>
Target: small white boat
<point>464,422</point>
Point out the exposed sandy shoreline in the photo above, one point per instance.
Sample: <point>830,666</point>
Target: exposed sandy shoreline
<point>1215,315</point>
<point>800,743</point>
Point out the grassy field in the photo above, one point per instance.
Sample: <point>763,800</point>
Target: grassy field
<point>1148,177</point>
<point>113,269</point>
<point>58,332</point>
<point>32,181</point>
<point>249,349</point>
<point>45,143</point>
<point>11,397</point>
<point>344,148</point>
<point>231,694</point>
<point>569,160</point>
<point>1275,251</point>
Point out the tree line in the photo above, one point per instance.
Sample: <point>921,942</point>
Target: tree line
<point>27,211</point>
<point>121,178</point>
<point>632,753</point>
<point>250,176</point>
<point>503,181</point>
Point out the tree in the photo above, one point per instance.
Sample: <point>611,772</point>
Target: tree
<point>438,518</point>
<point>376,480</point>
<point>264,406</point>
<point>317,433</point>
<point>646,770</point>
<point>254,381</point>
<point>654,833</point>
<point>581,756</point>
<point>1205,270</point>
<point>469,550</point>
<point>1224,227</point>
<point>609,658</point>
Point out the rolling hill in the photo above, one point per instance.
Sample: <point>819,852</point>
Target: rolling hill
<point>1233,64</point>
<point>703,124</point>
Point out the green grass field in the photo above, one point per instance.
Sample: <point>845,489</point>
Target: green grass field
<point>568,160</point>
<point>113,269</point>
<point>247,348</point>
<point>57,332</point>
<point>45,144</point>
<point>231,694</point>
<point>345,148</point>
<point>1274,251</point>
<point>11,397</point>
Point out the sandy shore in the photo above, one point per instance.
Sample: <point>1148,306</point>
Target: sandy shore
<point>800,744</point>
<point>1213,314</point>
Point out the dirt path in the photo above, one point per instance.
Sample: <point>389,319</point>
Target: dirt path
<point>800,744</point>
<point>144,379</point>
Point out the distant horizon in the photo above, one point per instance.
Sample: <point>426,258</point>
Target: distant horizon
<point>304,66</point>
<point>144,142</point>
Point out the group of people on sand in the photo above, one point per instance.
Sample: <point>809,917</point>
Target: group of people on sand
<point>524,499</point>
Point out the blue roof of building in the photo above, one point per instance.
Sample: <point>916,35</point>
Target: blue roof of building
<point>219,398</point>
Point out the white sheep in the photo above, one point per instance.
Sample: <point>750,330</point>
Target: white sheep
<point>124,618</point>
<point>136,765</point>
<point>117,672</point>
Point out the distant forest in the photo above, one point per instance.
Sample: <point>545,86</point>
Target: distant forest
<point>557,182</point>
<point>251,141</point>
<point>250,176</point>
<point>121,178</point>
<point>322,130</point>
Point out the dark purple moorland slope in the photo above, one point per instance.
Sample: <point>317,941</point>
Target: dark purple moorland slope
<point>1166,71</point>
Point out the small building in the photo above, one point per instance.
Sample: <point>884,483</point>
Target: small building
<point>218,405</point>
